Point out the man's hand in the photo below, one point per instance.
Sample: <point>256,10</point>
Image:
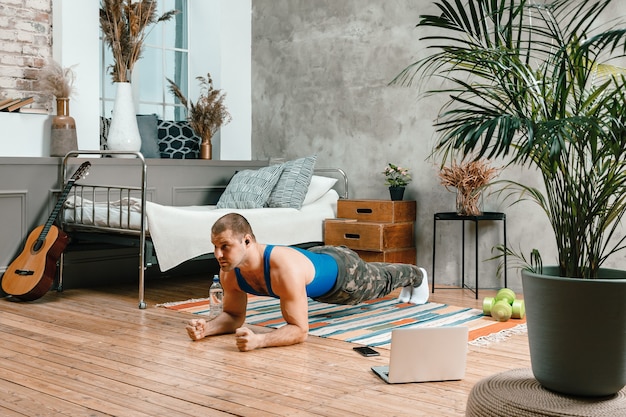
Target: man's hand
<point>246,339</point>
<point>196,328</point>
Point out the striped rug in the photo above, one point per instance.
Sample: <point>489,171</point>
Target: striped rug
<point>371,322</point>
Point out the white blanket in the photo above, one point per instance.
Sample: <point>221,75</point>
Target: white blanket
<point>120,214</point>
<point>183,233</point>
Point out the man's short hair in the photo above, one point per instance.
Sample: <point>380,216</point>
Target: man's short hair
<point>234,222</point>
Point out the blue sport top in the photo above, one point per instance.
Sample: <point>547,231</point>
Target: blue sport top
<point>325,274</point>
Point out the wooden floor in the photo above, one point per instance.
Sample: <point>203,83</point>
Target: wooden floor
<point>92,352</point>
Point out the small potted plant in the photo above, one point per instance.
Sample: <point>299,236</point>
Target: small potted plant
<point>397,178</point>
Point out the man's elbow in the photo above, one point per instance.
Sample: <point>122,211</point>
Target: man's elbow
<point>234,321</point>
<point>304,334</point>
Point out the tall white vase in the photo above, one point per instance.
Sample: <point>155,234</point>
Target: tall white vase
<point>124,132</point>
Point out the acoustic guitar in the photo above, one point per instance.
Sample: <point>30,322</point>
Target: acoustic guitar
<point>32,273</point>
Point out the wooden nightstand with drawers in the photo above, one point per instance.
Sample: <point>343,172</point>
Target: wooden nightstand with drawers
<point>378,230</point>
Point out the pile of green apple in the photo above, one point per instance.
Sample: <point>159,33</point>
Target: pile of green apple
<point>504,306</point>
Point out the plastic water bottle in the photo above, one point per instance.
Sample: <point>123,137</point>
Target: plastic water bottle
<point>216,293</point>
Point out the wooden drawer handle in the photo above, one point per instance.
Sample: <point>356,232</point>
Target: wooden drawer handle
<point>352,236</point>
<point>364,210</point>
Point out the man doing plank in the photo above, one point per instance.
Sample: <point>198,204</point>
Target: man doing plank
<point>329,274</point>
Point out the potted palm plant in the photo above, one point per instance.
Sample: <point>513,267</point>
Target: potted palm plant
<point>531,82</point>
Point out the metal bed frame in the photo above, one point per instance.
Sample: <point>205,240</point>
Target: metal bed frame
<point>126,236</point>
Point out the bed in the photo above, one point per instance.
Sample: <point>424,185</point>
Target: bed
<point>300,197</point>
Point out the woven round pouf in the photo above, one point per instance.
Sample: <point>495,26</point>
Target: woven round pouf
<point>517,393</point>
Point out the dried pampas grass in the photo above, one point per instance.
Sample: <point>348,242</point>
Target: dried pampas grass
<point>469,178</point>
<point>123,24</point>
<point>56,81</point>
<point>209,113</point>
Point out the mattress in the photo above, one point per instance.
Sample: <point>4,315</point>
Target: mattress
<point>119,214</point>
<point>182,233</point>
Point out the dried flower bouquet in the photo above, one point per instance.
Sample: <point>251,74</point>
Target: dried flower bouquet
<point>124,24</point>
<point>209,112</point>
<point>469,178</point>
<point>56,81</point>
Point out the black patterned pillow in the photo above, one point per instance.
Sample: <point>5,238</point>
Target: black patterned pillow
<point>105,125</point>
<point>177,140</point>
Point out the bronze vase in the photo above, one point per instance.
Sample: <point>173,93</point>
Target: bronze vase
<point>63,133</point>
<point>206,151</point>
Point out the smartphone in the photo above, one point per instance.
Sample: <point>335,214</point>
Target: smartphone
<point>366,351</point>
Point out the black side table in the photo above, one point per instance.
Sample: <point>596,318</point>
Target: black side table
<point>490,216</point>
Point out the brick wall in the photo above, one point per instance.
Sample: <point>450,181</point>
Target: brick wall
<point>25,45</point>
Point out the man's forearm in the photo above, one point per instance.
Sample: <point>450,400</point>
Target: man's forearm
<point>222,324</point>
<point>290,334</point>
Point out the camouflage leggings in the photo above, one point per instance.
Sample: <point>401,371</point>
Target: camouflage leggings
<point>358,281</point>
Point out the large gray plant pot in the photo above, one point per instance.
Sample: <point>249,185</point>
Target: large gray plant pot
<point>577,331</point>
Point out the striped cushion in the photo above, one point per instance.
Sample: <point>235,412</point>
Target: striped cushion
<point>293,183</point>
<point>250,188</point>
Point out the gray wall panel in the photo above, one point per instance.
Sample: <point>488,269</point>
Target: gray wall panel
<point>29,189</point>
<point>12,223</point>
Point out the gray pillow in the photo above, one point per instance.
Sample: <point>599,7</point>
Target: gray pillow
<point>291,188</point>
<point>148,130</point>
<point>250,188</point>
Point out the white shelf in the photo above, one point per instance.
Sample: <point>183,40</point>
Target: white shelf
<point>25,134</point>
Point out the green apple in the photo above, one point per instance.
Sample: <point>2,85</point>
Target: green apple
<point>501,310</point>
<point>506,294</point>
<point>488,303</point>
<point>519,309</point>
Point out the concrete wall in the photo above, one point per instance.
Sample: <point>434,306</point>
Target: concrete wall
<point>320,75</point>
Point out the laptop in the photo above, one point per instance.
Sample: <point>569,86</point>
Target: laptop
<point>425,355</point>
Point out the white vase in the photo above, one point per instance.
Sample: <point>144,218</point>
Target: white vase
<point>124,132</point>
